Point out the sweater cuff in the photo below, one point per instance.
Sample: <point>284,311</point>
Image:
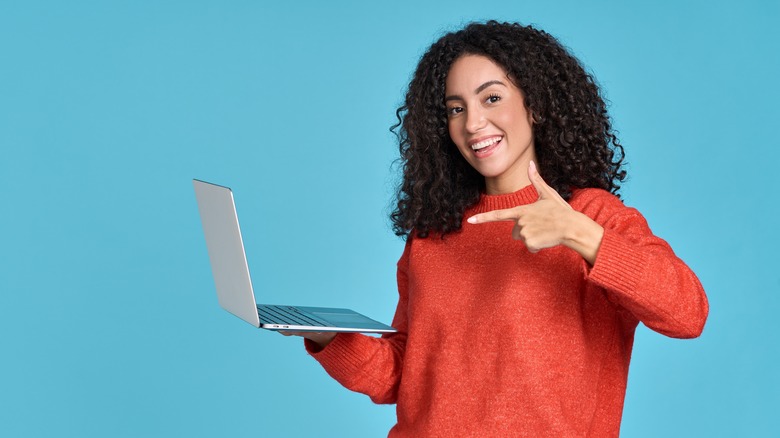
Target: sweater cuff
<point>619,265</point>
<point>345,356</point>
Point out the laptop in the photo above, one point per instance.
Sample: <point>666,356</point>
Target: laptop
<point>234,286</point>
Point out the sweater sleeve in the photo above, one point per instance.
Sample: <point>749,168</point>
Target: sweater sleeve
<point>641,273</point>
<point>366,364</point>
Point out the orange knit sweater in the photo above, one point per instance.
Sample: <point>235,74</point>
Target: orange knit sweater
<point>496,341</point>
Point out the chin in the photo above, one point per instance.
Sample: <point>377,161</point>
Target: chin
<point>489,172</point>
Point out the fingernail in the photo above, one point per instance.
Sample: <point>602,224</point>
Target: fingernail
<point>471,220</point>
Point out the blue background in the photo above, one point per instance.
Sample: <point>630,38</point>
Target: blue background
<point>109,320</point>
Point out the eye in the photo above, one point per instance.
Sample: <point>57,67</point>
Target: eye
<point>455,110</point>
<point>493,98</point>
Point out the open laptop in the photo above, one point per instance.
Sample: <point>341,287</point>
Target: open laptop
<point>234,286</point>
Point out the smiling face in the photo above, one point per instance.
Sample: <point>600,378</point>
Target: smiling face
<point>489,123</point>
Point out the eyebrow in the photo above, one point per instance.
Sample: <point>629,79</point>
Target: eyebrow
<point>477,90</point>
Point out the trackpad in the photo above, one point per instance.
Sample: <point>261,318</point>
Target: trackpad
<point>339,319</point>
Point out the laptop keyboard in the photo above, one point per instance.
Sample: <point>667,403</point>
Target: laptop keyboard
<point>288,315</point>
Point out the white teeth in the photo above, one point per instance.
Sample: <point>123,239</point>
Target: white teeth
<point>485,143</point>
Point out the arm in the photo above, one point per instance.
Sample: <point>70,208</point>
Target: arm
<point>638,270</point>
<point>365,364</point>
<point>641,273</point>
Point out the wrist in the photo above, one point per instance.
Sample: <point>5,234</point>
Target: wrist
<point>584,235</point>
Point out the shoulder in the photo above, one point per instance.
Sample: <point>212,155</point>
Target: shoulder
<point>590,198</point>
<point>403,261</point>
<point>601,205</point>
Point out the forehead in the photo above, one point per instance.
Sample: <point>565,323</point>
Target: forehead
<point>470,71</point>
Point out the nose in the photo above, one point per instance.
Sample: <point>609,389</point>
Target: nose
<point>475,119</point>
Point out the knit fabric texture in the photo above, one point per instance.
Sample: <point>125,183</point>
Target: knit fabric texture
<point>496,341</point>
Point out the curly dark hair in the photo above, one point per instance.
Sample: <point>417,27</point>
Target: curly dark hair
<point>575,144</point>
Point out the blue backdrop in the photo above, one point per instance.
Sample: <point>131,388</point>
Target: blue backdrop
<point>109,321</point>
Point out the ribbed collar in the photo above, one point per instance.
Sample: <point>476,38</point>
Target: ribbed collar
<point>526,195</point>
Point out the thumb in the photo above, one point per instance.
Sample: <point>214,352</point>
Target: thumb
<point>541,187</point>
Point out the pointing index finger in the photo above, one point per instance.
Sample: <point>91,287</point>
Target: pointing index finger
<point>509,214</point>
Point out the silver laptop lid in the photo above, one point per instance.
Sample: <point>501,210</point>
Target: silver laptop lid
<point>226,250</point>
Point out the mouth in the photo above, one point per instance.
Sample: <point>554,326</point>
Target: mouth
<point>484,147</point>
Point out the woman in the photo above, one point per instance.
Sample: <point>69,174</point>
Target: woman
<point>520,285</point>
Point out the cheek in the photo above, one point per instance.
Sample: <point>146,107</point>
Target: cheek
<point>460,144</point>
<point>457,137</point>
<point>453,131</point>
<point>519,125</point>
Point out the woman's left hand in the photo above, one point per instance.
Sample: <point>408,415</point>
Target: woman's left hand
<point>548,222</point>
